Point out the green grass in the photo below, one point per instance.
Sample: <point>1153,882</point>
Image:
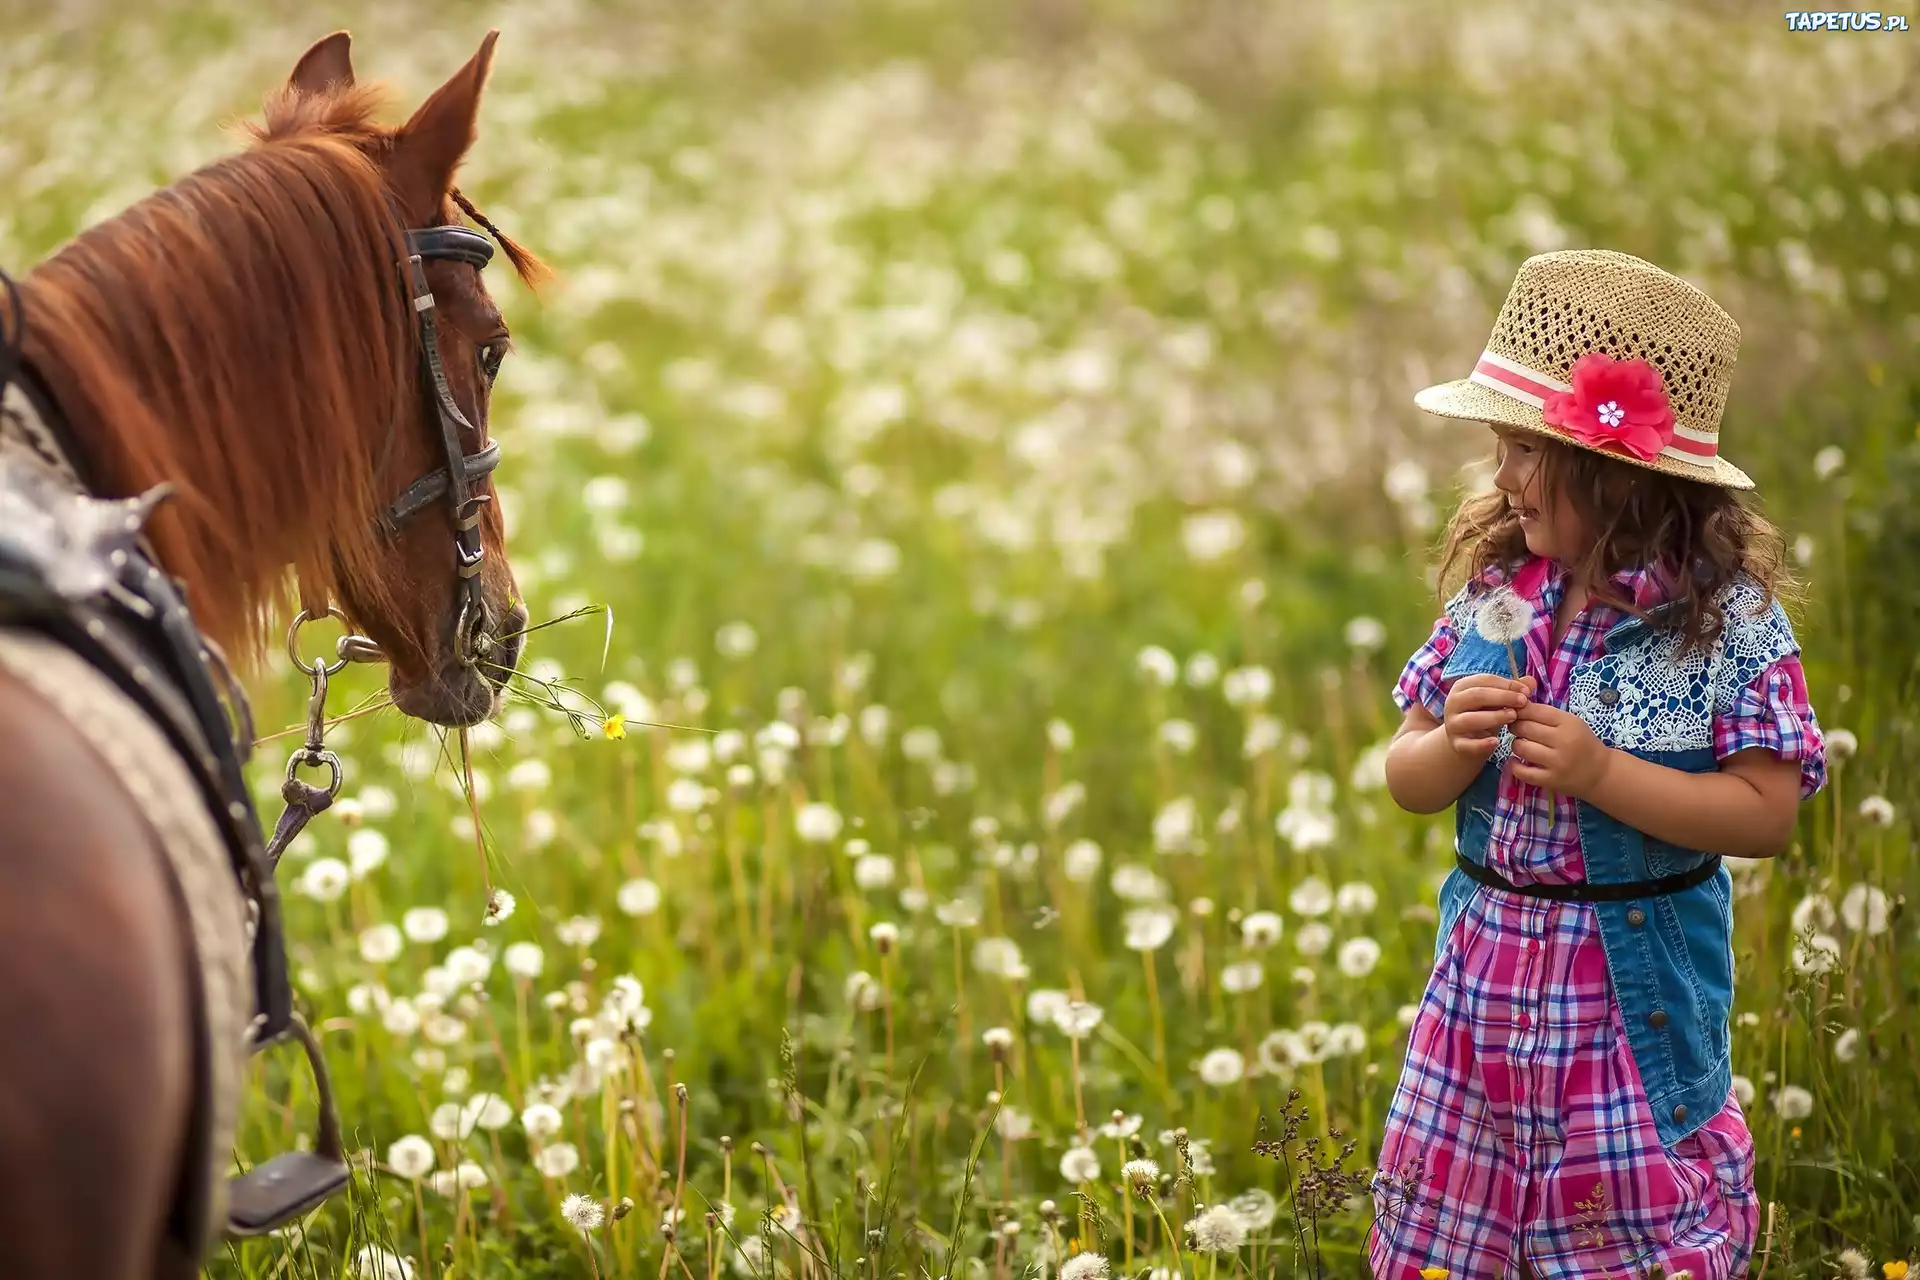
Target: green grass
<point>943,337</point>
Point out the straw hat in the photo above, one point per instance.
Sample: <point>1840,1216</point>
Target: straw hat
<point>1610,354</point>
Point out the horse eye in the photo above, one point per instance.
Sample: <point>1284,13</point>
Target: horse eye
<point>491,356</point>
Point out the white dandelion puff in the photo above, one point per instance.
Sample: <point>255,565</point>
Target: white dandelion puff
<point>381,943</point>
<point>638,897</point>
<point>1080,1164</point>
<point>523,959</point>
<point>1311,897</point>
<point>1077,1019</point>
<point>1866,909</point>
<point>817,822</point>
<point>1241,976</point>
<point>1143,1176</point>
<point>1149,928</point>
<point>499,907</point>
<point>411,1156</point>
<point>1261,929</point>
<point>1355,898</point>
<point>488,1111</point>
<point>1818,954</point>
<point>1218,1230</point>
<point>557,1160</point>
<point>325,879</point>
<point>1257,1209</point>
<point>1503,617</point>
<point>1357,956</point>
<point>1084,1266</point>
<point>541,1120</point>
<point>1792,1102</point>
<point>583,1213</point>
<point>1877,811</point>
<point>1812,912</point>
<point>1222,1068</point>
<point>1313,938</point>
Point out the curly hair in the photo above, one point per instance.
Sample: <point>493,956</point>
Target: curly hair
<point>1704,537</point>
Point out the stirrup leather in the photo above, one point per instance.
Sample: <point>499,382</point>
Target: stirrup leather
<point>274,1193</point>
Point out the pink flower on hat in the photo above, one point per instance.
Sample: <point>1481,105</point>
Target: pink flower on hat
<point>1614,404</point>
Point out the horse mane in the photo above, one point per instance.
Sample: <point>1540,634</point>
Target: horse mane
<point>245,334</point>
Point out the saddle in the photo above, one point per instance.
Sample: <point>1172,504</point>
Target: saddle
<point>79,571</point>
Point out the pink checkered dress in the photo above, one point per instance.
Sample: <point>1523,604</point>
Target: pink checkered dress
<point>1520,1122</point>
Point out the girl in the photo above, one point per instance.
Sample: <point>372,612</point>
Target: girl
<point>1611,703</point>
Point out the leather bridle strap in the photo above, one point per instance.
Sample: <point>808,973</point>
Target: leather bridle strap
<point>454,481</point>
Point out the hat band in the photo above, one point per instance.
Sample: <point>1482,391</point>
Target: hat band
<point>1530,386</point>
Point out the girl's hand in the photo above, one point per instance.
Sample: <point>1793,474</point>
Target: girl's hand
<point>1476,710</point>
<point>1555,750</point>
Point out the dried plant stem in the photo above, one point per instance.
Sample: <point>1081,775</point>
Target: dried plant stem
<point>1159,1022</point>
<point>679,1184</point>
<point>1006,1154</point>
<point>1173,1240</point>
<point>1079,1107</point>
<point>886,1005</point>
<point>473,811</point>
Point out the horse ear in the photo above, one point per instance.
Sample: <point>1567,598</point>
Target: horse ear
<point>431,145</point>
<point>325,67</point>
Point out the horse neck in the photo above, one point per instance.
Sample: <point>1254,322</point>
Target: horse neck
<point>198,364</point>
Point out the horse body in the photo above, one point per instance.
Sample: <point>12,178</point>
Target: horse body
<point>252,338</point>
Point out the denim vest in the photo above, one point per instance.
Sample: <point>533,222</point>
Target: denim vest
<point>1670,958</point>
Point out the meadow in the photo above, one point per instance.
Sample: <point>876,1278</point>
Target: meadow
<point>968,466</point>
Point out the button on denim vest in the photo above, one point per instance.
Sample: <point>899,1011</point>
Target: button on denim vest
<point>1670,957</point>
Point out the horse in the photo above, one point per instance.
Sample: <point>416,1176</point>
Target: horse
<point>238,373</point>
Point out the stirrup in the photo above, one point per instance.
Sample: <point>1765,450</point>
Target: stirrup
<point>295,1183</point>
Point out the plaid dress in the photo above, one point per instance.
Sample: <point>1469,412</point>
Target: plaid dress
<point>1520,1128</point>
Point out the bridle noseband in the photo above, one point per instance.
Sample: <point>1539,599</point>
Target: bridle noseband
<point>454,481</point>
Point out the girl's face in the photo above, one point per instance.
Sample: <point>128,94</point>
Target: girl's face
<point>1552,528</point>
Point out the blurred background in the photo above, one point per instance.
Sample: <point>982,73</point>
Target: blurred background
<point>1020,376</point>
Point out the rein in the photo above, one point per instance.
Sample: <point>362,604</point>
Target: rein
<point>451,483</point>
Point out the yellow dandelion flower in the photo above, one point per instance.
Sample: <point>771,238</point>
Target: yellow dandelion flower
<point>615,726</point>
<point>1433,1273</point>
<point>1896,1270</point>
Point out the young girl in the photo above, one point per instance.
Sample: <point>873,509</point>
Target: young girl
<point>1612,702</point>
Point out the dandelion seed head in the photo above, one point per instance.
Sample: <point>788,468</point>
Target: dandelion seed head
<point>557,1160</point>
<point>1261,929</point>
<point>1222,1068</point>
<point>1143,1176</point>
<point>1218,1230</point>
<point>1084,1266</point>
<point>583,1213</point>
<point>410,1156</point>
<point>1080,1164</point>
<point>1792,1102</point>
<point>1503,617</point>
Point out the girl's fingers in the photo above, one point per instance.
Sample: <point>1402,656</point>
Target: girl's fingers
<point>1473,724</point>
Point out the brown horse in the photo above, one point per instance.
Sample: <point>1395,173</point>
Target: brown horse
<point>247,336</point>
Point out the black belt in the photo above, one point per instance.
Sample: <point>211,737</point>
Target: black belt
<point>1592,892</point>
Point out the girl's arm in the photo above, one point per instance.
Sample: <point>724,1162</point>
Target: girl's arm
<point>1747,809</point>
<point>1424,773</point>
<point>1431,761</point>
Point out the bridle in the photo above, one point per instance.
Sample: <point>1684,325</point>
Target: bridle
<point>453,481</point>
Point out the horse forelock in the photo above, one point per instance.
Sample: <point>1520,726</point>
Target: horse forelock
<point>245,334</point>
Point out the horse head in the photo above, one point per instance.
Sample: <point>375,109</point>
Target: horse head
<point>452,638</point>
<point>299,340</point>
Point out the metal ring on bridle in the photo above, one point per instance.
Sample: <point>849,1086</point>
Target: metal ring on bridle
<point>300,620</point>
<point>336,776</point>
